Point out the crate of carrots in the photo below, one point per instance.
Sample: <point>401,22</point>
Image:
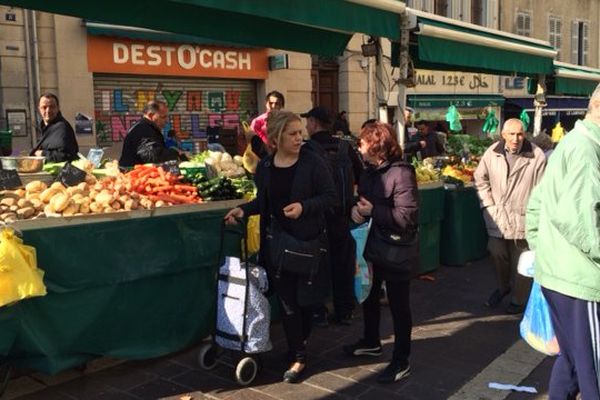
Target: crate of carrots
<point>164,188</point>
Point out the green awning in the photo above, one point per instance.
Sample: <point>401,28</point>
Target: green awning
<point>310,26</point>
<point>444,44</point>
<point>572,79</point>
<point>101,29</point>
<point>461,101</point>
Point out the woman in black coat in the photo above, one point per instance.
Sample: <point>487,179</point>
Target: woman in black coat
<point>294,188</point>
<point>388,195</point>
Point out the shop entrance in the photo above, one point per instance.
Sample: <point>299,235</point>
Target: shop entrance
<point>324,76</point>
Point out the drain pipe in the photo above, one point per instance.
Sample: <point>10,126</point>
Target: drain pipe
<point>29,66</point>
<point>36,61</point>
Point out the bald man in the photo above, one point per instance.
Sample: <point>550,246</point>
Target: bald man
<point>508,171</point>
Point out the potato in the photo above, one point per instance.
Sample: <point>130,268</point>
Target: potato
<point>35,187</point>
<point>37,204</point>
<point>71,210</point>
<point>90,179</point>
<point>20,192</point>
<point>14,208</point>
<point>108,210</point>
<point>95,207</point>
<point>47,194</point>
<point>5,215</point>
<point>130,205</point>
<point>104,198</point>
<point>25,213</point>
<point>33,195</point>
<point>83,186</point>
<point>60,201</point>
<point>116,205</point>
<point>9,193</point>
<point>22,203</point>
<point>58,186</point>
<point>84,208</point>
<point>74,190</point>
<point>8,201</point>
<point>160,203</point>
<point>147,203</point>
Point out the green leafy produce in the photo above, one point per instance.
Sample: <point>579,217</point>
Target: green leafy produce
<point>474,145</point>
<point>53,168</point>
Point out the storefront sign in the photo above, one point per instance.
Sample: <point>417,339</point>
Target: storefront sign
<point>444,82</point>
<point>125,56</point>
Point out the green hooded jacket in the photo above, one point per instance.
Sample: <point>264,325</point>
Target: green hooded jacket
<point>563,216</point>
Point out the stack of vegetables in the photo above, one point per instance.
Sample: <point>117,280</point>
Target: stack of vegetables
<point>161,187</point>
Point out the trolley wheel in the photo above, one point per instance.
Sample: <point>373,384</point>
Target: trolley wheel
<point>207,356</point>
<point>246,371</point>
<point>4,377</point>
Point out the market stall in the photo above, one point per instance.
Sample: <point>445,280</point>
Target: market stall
<point>131,285</point>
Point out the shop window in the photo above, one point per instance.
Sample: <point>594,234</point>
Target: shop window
<point>523,25</point>
<point>580,43</point>
<point>554,34</point>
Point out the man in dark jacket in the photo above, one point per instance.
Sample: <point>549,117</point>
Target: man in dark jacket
<point>145,142</point>
<point>58,141</point>
<point>431,146</point>
<point>342,247</point>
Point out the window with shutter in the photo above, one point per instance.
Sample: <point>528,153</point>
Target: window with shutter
<point>585,40</point>
<point>427,6</point>
<point>477,12</point>
<point>574,42</point>
<point>523,26</point>
<point>441,7</point>
<point>554,33</point>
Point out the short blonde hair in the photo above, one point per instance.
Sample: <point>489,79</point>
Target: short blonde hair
<point>277,121</point>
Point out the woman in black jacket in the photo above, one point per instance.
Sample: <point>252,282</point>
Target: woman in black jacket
<point>294,188</point>
<point>388,195</point>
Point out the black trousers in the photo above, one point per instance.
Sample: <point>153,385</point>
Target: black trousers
<point>296,319</point>
<point>575,324</point>
<point>398,293</point>
<point>342,256</point>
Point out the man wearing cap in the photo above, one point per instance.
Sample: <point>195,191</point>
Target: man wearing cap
<point>346,169</point>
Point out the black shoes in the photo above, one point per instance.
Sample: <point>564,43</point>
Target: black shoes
<point>291,376</point>
<point>395,371</point>
<point>496,298</point>
<point>362,348</point>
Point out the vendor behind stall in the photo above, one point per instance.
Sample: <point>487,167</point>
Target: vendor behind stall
<point>145,142</point>
<point>58,141</point>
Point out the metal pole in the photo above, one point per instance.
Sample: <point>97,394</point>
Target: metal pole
<point>539,102</point>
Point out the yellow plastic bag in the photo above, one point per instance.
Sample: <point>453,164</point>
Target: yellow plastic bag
<point>20,277</point>
<point>558,132</point>
<point>253,234</point>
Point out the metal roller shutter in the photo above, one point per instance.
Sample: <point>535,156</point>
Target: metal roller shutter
<point>194,103</point>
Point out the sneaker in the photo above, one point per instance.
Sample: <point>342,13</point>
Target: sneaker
<point>395,371</point>
<point>514,309</point>
<point>496,298</point>
<point>362,348</point>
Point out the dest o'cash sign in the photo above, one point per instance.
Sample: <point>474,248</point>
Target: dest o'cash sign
<point>120,55</point>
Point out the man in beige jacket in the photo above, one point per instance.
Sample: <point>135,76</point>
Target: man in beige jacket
<point>505,177</point>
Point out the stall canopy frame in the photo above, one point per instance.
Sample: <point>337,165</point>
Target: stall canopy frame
<point>309,26</point>
<point>441,43</point>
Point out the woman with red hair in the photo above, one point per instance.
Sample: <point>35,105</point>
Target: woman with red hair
<point>388,195</point>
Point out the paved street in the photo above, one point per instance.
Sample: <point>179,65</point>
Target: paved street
<point>459,346</point>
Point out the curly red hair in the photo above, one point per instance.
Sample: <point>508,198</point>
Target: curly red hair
<point>381,140</point>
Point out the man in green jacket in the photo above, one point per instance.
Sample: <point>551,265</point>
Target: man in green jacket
<point>563,227</point>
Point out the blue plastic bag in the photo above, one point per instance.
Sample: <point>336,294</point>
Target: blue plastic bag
<point>363,275</point>
<point>536,326</point>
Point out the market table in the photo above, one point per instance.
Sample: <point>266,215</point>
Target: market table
<point>128,285</point>
<point>464,236</point>
<point>431,213</point>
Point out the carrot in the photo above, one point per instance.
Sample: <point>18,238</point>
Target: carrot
<point>161,173</point>
<point>189,188</point>
<point>145,172</point>
<point>161,188</point>
<point>182,199</point>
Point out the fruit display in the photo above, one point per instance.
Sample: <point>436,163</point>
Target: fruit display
<point>461,172</point>
<point>426,174</point>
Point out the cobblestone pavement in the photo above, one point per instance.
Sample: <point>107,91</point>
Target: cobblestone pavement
<point>458,347</point>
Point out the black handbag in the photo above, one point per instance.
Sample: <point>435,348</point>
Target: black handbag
<point>393,251</point>
<point>289,254</point>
